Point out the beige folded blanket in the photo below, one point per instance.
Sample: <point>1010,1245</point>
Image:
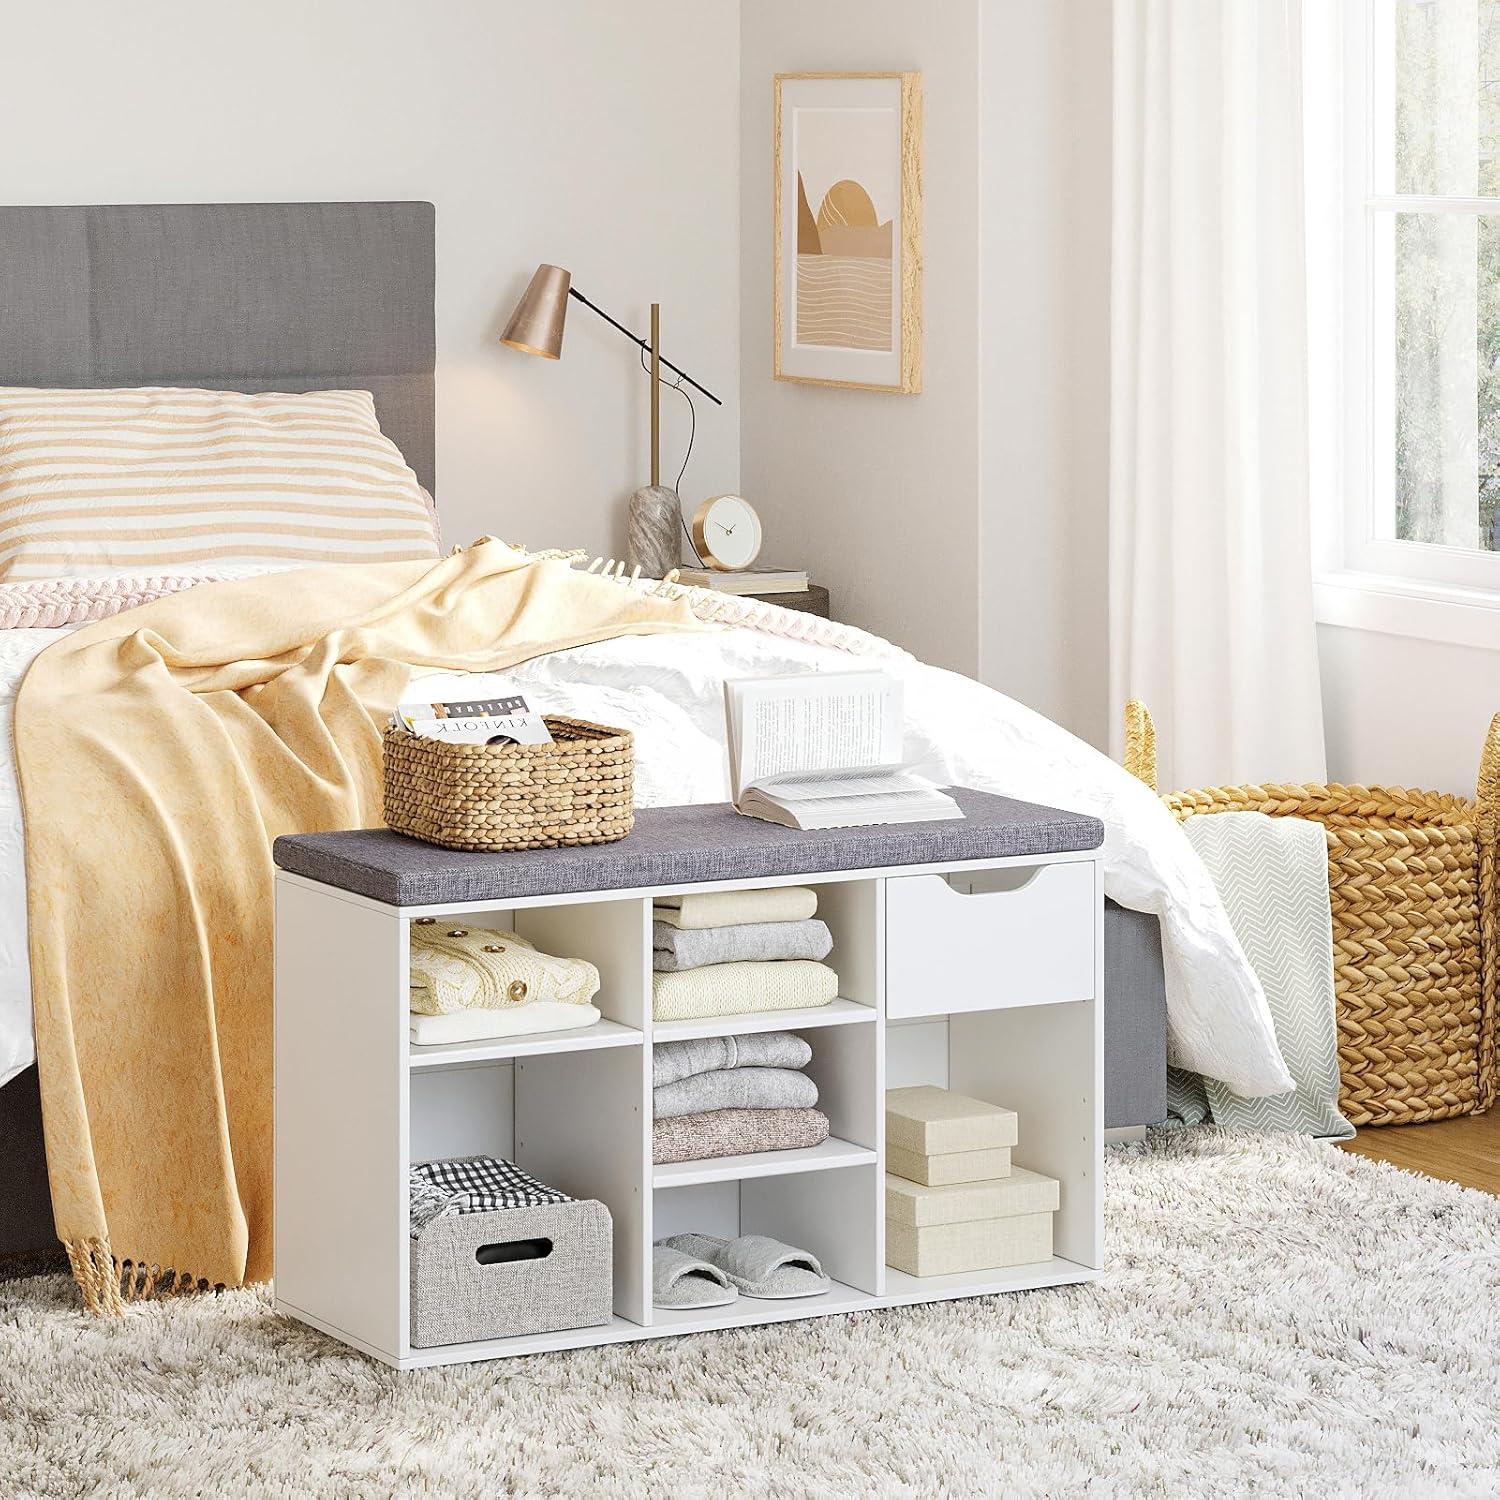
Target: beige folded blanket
<point>731,1132</point>
<point>160,751</point>
<point>781,903</point>
<point>736,989</point>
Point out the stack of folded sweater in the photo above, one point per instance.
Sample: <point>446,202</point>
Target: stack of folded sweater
<point>477,983</point>
<point>724,953</point>
<point>724,1095</point>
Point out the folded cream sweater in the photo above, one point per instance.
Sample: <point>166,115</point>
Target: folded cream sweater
<point>734,989</point>
<point>781,903</point>
<point>484,1025</point>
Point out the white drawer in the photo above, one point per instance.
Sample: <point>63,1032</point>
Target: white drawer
<point>1022,936</point>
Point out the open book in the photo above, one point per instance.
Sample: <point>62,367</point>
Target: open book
<point>823,750</point>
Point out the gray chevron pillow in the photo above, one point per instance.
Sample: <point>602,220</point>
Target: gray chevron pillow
<point>1272,875</point>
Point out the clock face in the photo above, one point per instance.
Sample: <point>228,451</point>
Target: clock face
<point>726,531</point>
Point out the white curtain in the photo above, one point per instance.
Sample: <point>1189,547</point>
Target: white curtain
<point>1211,609</point>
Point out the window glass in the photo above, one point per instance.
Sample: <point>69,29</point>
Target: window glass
<point>1447,77</point>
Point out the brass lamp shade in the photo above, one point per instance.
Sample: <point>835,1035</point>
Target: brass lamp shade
<point>536,326</point>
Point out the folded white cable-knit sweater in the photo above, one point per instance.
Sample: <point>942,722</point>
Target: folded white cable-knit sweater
<point>734,989</point>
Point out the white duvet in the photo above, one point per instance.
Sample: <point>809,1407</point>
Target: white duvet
<point>668,689</point>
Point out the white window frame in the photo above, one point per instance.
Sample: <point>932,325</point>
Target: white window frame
<point>1365,579</point>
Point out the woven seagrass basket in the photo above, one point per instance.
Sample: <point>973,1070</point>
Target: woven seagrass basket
<point>1412,882</point>
<point>577,790</point>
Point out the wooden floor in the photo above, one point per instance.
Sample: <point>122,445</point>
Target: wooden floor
<point>1465,1150</point>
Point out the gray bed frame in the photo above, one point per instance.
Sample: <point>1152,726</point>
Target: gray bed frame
<point>308,296</point>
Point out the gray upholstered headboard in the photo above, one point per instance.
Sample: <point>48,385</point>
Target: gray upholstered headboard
<point>228,296</point>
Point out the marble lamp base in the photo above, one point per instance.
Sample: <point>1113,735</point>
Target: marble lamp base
<point>654,538</point>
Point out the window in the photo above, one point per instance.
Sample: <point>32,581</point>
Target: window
<point>1415,131</point>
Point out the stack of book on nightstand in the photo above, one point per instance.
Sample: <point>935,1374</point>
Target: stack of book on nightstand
<point>747,580</point>
<point>953,1201</point>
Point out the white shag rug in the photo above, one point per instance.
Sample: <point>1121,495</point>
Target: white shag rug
<point>1278,1317</point>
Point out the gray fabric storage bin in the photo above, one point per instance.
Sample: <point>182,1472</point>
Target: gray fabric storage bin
<point>455,1298</point>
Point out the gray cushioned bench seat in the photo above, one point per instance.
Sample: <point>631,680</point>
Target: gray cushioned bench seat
<point>677,846</point>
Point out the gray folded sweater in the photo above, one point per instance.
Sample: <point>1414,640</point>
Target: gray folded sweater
<point>735,1088</point>
<point>694,947</point>
<point>671,1061</point>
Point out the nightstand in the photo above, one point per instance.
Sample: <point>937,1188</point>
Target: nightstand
<point>813,600</point>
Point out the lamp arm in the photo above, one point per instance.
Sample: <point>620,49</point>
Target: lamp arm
<point>594,307</point>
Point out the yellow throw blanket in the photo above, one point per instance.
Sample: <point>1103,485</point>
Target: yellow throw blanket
<point>159,753</point>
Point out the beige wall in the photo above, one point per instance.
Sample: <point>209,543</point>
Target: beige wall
<point>877,493</point>
<point>967,523</point>
<point>599,136</point>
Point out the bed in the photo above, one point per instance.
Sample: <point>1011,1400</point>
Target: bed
<point>298,297</point>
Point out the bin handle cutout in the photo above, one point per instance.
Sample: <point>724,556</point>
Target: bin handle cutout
<point>506,1251</point>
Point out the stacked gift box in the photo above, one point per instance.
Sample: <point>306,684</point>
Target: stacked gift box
<point>953,1200</point>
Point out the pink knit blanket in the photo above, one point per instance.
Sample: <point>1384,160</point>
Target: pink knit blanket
<point>49,603</point>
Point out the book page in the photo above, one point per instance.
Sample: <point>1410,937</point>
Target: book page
<point>834,786</point>
<point>820,721</point>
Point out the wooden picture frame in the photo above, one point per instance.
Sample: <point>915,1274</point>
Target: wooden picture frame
<point>847,300</point>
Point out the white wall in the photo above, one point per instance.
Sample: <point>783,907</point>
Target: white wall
<point>1399,711</point>
<point>599,136</point>
<point>1044,272</point>
<point>877,493</point>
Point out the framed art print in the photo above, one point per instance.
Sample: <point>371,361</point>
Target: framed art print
<point>848,296</point>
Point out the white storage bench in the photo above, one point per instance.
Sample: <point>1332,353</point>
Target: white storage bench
<point>969,955</point>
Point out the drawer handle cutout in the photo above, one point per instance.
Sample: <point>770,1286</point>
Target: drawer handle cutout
<point>512,1250</point>
<point>994,882</point>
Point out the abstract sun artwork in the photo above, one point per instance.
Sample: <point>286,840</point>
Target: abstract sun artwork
<point>848,229</point>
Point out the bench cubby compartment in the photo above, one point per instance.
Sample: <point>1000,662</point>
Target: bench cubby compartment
<point>846,1065</point>
<point>1042,1061</point>
<point>852,910</point>
<point>835,1214</point>
<point>614,936</point>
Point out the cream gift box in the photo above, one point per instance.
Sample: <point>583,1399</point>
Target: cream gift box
<point>979,1245</point>
<point>913,1206</point>
<point>935,1122</point>
<point>950,1167</point>
<point>972,1226</point>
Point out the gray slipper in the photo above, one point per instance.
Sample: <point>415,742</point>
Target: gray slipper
<point>683,1281</point>
<point>758,1265</point>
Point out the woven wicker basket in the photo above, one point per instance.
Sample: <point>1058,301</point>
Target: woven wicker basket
<point>577,790</point>
<point>1412,880</point>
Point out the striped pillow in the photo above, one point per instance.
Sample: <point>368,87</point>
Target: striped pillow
<point>157,479</point>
